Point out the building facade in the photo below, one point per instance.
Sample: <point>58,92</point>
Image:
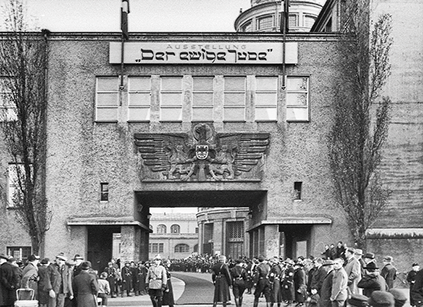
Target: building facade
<point>209,120</point>
<point>174,236</point>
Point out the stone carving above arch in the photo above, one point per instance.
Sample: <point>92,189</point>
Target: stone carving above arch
<point>201,155</point>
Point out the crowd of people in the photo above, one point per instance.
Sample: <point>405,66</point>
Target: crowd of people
<point>340,276</point>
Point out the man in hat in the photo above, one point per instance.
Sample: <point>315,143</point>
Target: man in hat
<point>411,279</point>
<point>353,269</point>
<point>275,278</point>
<point>371,280</point>
<point>156,280</point>
<point>399,297</point>
<point>30,275</point>
<point>85,286</point>
<point>78,259</point>
<point>261,279</point>
<point>126,279</point>
<point>222,280</point>
<point>239,277</point>
<point>318,276</point>
<point>389,272</point>
<point>62,285</point>
<point>9,282</point>
<point>358,300</point>
<point>326,290</point>
<point>417,290</point>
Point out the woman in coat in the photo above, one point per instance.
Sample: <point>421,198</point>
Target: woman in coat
<point>299,284</point>
<point>85,287</point>
<point>222,281</point>
<point>168,292</point>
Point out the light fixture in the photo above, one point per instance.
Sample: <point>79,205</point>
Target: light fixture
<point>250,214</point>
<point>148,216</point>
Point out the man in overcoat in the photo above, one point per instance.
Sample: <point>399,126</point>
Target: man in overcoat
<point>326,289</point>
<point>9,282</point>
<point>156,280</point>
<point>62,285</point>
<point>30,275</point>
<point>417,290</point>
<point>339,284</point>
<point>389,272</point>
<point>353,269</point>
<point>85,287</point>
<point>222,280</point>
<point>371,280</point>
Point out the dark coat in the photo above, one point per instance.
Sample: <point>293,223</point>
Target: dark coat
<point>389,272</point>
<point>9,282</point>
<point>370,283</point>
<point>300,285</point>
<point>222,280</point>
<point>168,292</point>
<point>85,288</point>
<point>126,278</point>
<point>48,277</point>
<point>326,290</point>
<point>288,291</point>
<point>417,290</point>
<point>317,278</point>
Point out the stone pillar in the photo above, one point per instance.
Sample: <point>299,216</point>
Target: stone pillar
<point>271,240</point>
<point>218,244</point>
<point>200,238</point>
<point>130,243</point>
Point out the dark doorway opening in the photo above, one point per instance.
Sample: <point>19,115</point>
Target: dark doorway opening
<point>295,240</point>
<point>100,245</point>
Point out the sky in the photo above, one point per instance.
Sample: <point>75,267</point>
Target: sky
<point>145,15</point>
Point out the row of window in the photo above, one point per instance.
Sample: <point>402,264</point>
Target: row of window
<point>268,22</point>
<point>172,95</point>
<point>159,248</point>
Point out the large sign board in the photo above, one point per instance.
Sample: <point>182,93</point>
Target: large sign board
<point>203,53</point>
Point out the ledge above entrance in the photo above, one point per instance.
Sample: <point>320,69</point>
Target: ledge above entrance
<point>294,220</point>
<point>201,198</point>
<point>106,221</point>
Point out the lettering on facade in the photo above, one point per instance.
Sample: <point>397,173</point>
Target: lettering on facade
<point>201,155</point>
<point>203,53</point>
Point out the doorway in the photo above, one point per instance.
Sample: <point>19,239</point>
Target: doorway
<point>296,240</point>
<point>100,245</point>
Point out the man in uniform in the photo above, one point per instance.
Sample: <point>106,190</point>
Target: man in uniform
<point>156,280</point>
<point>262,283</point>
<point>239,281</point>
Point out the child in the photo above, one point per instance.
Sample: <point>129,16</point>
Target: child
<point>104,288</point>
<point>313,299</point>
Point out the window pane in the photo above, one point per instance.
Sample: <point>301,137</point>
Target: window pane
<point>266,83</point>
<point>246,27</point>
<point>309,21</point>
<point>234,99</point>
<point>296,99</point>
<point>203,84</point>
<point>234,83</point>
<point>107,99</point>
<point>297,114</point>
<point>107,114</point>
<point>293,21</point>
<point>265,114</point>
<point>107,84</point>
<point>169,114</point>
<point>234,114</point>
<point>139,84</point>
<point>171,99</point>
<point>161,245</point>
<point>139,99</point>
<point>139,114</point>
<point>203,99</point>
<point>171,83</point>
<point>266,99</point>
<point>202,114</point>
<point>297,84</point>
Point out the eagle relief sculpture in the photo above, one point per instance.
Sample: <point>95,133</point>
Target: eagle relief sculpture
<point>201,155</point>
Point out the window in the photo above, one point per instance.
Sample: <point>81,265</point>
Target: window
<point>234,99</point>
<point>107,99</point>
<point>171,99</point>
<point>175,228</point>
<point>297,99</point>
<point>139,94</point>
<point>293,21</point>
<point>19,252</point>
<point>309,21</point>
<point>104,191</point>
<point>202,98</point>
<point>161,228</point>
<point>16,174</point>
<point>246,27</point>
<point>297,190</point>
<point>266,98</point>
<point>7,106</point>
<point>155,248</point>
<point>265,23</point>
<point>181,248</point>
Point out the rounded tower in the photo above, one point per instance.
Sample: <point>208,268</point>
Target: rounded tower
<point>265,16</point>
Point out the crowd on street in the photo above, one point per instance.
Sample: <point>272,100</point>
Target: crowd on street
<point>340,276</point>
